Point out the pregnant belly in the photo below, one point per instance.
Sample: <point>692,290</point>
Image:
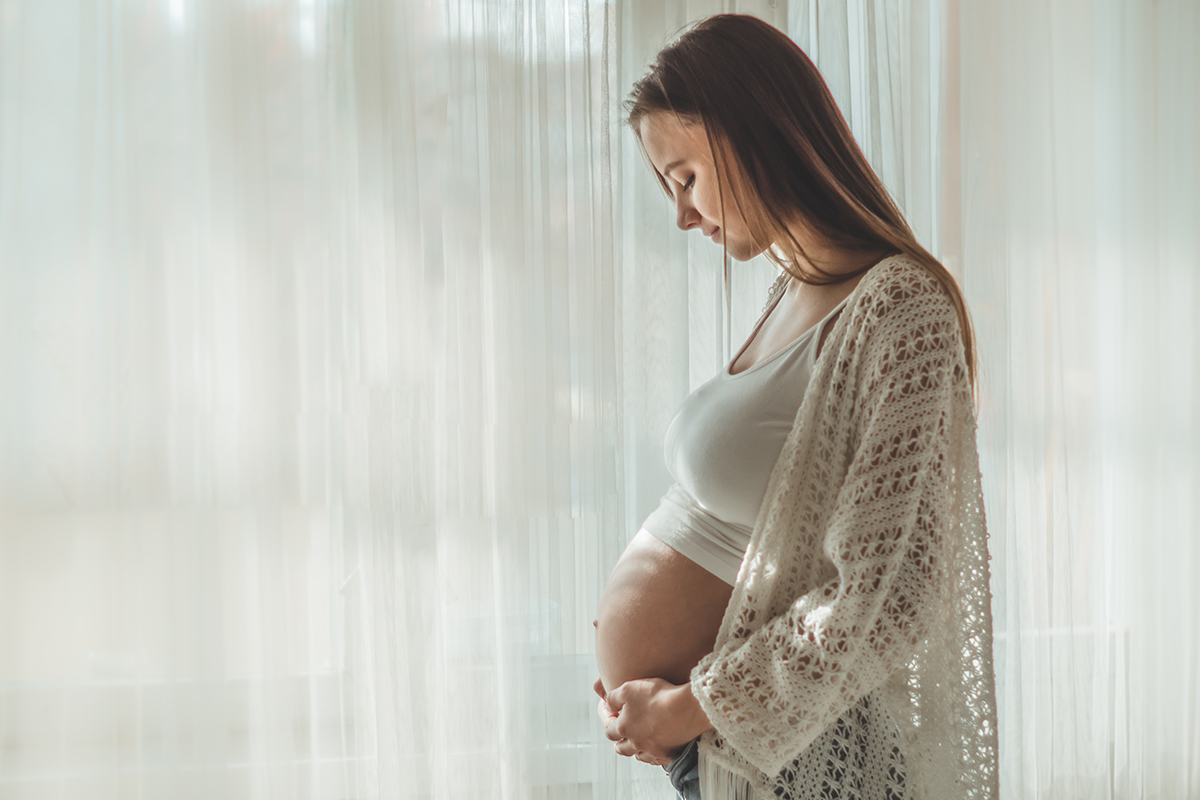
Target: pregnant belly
<point>659,614</point>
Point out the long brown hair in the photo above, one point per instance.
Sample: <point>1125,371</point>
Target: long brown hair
<point>780,141</point>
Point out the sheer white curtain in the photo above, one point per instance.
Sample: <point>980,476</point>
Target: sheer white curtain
<point>186,400</point>
<point>1079,196</point>
<point>313,455</point>
<point>339,338</point>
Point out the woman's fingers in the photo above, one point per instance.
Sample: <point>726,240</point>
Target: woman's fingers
<point>612,725</point>
<point>624,712</point>
<point>602,708</point>
<point>654,761</point>
<point>607,717</point>
<point>616,698</point>
<point>624,747</point>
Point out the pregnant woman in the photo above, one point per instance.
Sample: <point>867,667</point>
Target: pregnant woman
<point>806,614</point>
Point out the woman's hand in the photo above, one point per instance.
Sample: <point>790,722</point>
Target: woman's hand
<point>650,719</point>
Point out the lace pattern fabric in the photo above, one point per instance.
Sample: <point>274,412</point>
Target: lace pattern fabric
<point>777,288</point>
<point>856,649</point>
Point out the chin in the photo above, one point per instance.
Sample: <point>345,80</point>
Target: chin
<point>743,253</point>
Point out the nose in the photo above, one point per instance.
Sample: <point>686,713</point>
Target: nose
<point>686,215</point>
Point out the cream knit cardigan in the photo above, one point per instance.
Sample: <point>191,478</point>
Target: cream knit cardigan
<point>856,650</point>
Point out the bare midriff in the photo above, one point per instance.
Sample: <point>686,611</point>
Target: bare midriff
<point>659,614</point>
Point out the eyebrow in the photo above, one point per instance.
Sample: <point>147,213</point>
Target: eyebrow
<point>672,165</point>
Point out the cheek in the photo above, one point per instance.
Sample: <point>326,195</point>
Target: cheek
<point>708,203</point>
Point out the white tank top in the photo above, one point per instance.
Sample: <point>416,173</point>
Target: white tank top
<point>721,448</point>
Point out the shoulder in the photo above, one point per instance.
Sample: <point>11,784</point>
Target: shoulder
<point>897,300</point>
<point>904,315</point>
<point>901,282</point>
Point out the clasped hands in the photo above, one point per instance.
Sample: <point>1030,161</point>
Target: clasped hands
<point>650,719</point>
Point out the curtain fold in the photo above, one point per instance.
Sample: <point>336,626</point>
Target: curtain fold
<point>339,339</point>
<point>1080,220</point>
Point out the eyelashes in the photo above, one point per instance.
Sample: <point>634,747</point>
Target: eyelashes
<point>684,186</point>
<point>681,187</point>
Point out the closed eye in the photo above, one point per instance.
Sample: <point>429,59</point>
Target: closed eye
<point>683,187</point>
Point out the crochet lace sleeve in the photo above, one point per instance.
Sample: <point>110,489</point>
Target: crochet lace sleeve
<point>869,550</point>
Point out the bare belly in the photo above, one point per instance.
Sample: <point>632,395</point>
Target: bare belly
<point>659,614</point>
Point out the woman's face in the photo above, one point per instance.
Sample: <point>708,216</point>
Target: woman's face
<point>680,153</point>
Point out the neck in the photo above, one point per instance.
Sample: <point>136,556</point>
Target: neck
<point>839,261</point>
<point>823,257</point>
